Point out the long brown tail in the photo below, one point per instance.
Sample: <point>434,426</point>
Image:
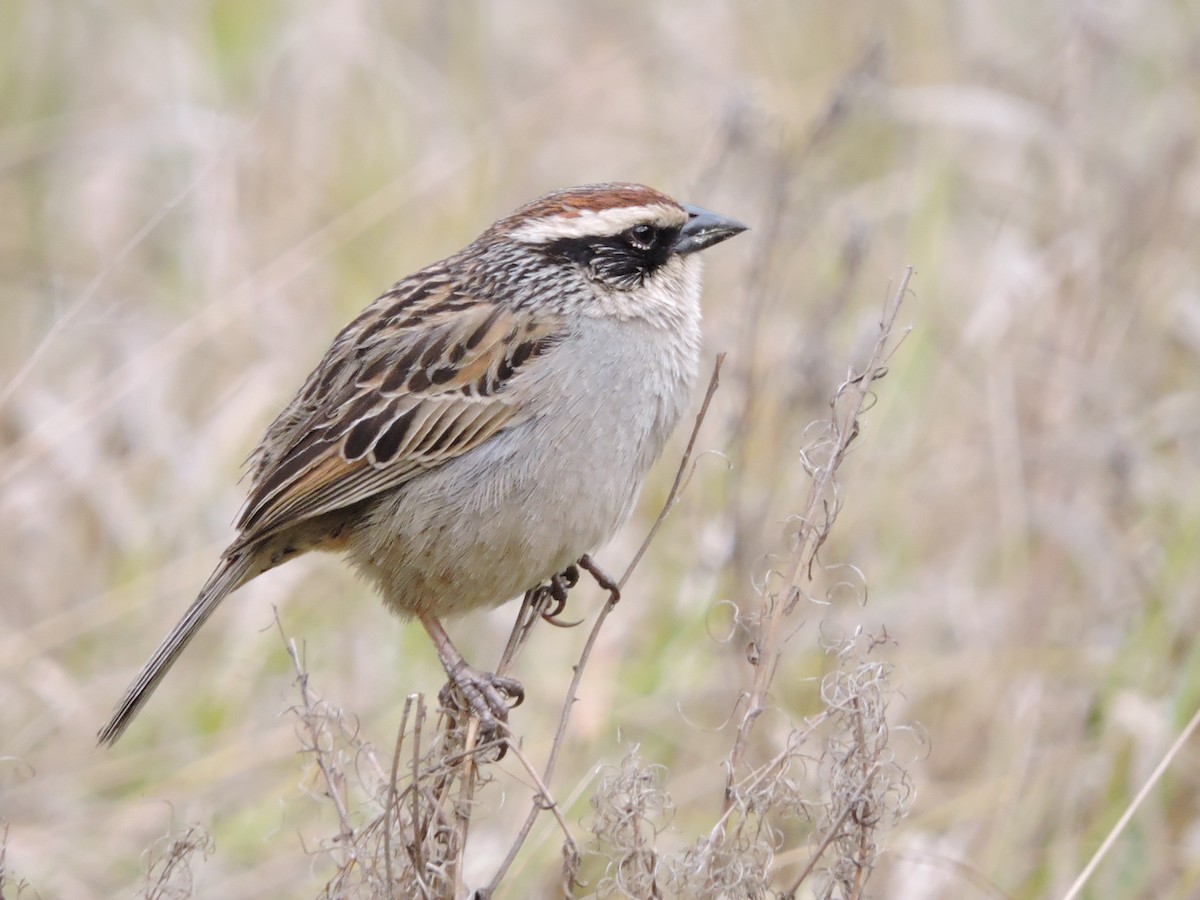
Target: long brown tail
<point>234,571</point>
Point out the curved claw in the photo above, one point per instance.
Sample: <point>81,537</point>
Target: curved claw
<point>559,623</point>
<point>557,592</point>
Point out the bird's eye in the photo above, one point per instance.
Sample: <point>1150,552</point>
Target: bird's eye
<point>642,236</point>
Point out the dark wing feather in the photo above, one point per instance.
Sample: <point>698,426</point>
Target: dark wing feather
<point>422,376</point>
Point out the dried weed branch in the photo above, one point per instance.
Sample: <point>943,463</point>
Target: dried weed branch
<point>1110,839</point>
<point>821,460</point>
<point>631,808</point>
<point>854,695</point>
<point>169,873</point>
<point>867,788</point>
<point>400,831</point>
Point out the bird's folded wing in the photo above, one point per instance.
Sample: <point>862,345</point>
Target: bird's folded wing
<point>402,390</point>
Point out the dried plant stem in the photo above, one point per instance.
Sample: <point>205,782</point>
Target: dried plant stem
<point>531,608</point>
<point>390,810</point>
<point>169,875</point>
<point>468,773</point>
<point>759,775</point>
<point>418,862</point>
<point>543,793</point>
<point>815,523</point>
<point>552,759</point>
<point>864,858</point>
<point>1106,845</point>
<point>829,838</point>
<point>714,382</point>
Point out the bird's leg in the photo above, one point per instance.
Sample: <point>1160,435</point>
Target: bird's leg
<point>486,694</point>
<point>602,578</point>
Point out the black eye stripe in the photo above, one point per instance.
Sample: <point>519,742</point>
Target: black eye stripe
<point>623,260</point>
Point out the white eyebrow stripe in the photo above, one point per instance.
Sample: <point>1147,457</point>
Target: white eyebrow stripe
<point>596,223</point>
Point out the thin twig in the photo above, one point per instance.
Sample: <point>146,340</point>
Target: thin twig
<point>543,792</point>
<point>1126,816</point>
<point>713,383</point>
<point>756,777</point>
<point>830,836</point>
<point>864,861</point>
<point>390,809</point>
<point>418,826</point>
<point>466,795</point>
<point>552,760</point>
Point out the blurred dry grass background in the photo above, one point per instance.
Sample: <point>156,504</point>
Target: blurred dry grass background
<point>194,197</point>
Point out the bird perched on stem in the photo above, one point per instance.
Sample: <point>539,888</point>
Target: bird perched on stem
<point>482,425</point>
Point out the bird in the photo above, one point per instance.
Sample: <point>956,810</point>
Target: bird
<point>484,424</point>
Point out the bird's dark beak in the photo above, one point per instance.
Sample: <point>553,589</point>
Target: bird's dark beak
<point>704,228</point>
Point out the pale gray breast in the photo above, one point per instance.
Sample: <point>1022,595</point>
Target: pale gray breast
<point>535,497</point>
<point>614,393</point>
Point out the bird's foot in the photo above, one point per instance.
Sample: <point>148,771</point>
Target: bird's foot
<point>486,696</point>
<point>602,578</point>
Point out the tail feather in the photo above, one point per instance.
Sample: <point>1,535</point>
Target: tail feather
<point>234,571</point>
